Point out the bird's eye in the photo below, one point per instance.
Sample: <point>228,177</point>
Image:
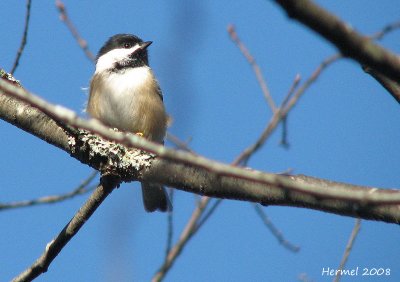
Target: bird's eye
<point>127,45</point>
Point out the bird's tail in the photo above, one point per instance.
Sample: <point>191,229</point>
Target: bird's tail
<point>155,197</point>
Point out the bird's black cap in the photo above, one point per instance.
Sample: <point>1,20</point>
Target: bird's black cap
<point>127,41</point>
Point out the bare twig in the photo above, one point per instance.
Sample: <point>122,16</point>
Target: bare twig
<point>292,89</point>
<point>170,223</point>
<point>191,227</point>
<point>81,189</point>
<point>179,143</point>
<point>186,235</point>
<point>284,140</point>
<point>349,246</point>
<point>275,231</point>
<point>208,213</point>
<point>256,68</point>
<point>277,117</point>
<point>183,146</point>
<point>24,37</point>
<point>315,75</point>
<point>81,42</point>
<point>53,248</point>
<point>385,30</point>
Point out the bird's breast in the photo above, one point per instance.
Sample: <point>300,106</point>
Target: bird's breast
<point>129,101</point>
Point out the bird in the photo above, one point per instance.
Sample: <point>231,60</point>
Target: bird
<point>125,94</point>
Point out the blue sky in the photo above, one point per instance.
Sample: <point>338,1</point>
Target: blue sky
<point>345,128</point>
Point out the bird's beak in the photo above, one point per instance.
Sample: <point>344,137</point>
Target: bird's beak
<point>146,44</point>
<point>142,46</point>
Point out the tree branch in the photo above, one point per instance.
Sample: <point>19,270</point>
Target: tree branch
<point>196,174</point>
<point>106,186</point>
<point>350,43</point>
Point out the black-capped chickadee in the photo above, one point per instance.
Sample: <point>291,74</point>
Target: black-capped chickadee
<point>125,94</point>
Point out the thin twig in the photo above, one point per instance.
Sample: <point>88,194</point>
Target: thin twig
<point>170,223</point>
<point>191,227</point>
<point>81,42</point>
<point>349,246</point>
<point>24,37</point>
<point>54,247</point>
<point>274,230</point>
<point>81,189</point>
<point>186,235</point>
<point>244,157</point>
<point>284,139</point>
<point>385,30</point>
<point>208,213</point>
<point>311,80</point>
<point>256,68</point>
<point>183,145</point>
<point>292,88</point>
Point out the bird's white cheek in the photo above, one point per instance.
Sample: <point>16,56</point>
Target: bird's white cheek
<point>108,60</point>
